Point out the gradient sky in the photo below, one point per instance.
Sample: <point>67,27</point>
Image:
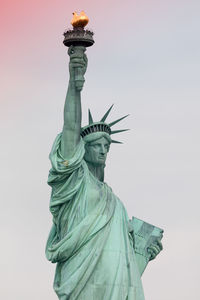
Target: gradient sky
<point>146,61</point>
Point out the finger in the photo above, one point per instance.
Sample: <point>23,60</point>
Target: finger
<point>150,251</point>
<point>85,58</point>
<point>77,60</point>
<point>76,66</point>
<point>160,245</point>
<point>152,254</point>
<point>154,250</point>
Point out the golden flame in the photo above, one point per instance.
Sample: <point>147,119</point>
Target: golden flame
<point>79,20</point>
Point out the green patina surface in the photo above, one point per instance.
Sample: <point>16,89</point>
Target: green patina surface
<point>100,253</point>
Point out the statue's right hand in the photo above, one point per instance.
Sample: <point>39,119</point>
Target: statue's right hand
<point>78,61</point>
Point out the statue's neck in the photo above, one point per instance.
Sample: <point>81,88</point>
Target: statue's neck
<point>97,171</point>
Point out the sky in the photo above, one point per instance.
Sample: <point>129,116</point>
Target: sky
<point>146,61</point>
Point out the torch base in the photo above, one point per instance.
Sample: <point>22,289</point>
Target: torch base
<point>78,37</point>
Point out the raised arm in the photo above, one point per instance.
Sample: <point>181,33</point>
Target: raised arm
<point>72,108</point>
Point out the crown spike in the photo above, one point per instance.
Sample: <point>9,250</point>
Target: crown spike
<point>90,117</point>
<point>106,114</point>
<point>118,131</point>
<point>116,142</point>
<point>114,122</point>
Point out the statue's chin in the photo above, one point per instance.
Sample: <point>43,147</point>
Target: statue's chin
<point>96,164</point>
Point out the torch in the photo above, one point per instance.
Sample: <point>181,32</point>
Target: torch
<point>78,36</point>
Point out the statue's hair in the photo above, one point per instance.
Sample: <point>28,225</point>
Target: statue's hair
<point>92,137</point>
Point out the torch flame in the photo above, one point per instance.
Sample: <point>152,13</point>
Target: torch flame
<point>79,20</point>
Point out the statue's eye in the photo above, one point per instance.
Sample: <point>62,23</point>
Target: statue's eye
<point>94,146</point>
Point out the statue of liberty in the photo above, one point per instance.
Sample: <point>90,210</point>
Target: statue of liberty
<point>100,253</point>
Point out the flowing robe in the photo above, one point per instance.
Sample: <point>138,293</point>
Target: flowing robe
<point>90,239</point>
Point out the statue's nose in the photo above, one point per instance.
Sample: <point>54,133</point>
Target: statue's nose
<point>103,150</point>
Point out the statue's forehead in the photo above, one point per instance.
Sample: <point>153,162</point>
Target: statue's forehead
<point>101,140</point>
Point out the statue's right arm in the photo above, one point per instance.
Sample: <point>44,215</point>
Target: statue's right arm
<point>72,108</point>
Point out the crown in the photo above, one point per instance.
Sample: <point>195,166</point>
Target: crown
<point>101,126</point>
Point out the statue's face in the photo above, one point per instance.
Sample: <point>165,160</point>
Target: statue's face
<point>96,152</point>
